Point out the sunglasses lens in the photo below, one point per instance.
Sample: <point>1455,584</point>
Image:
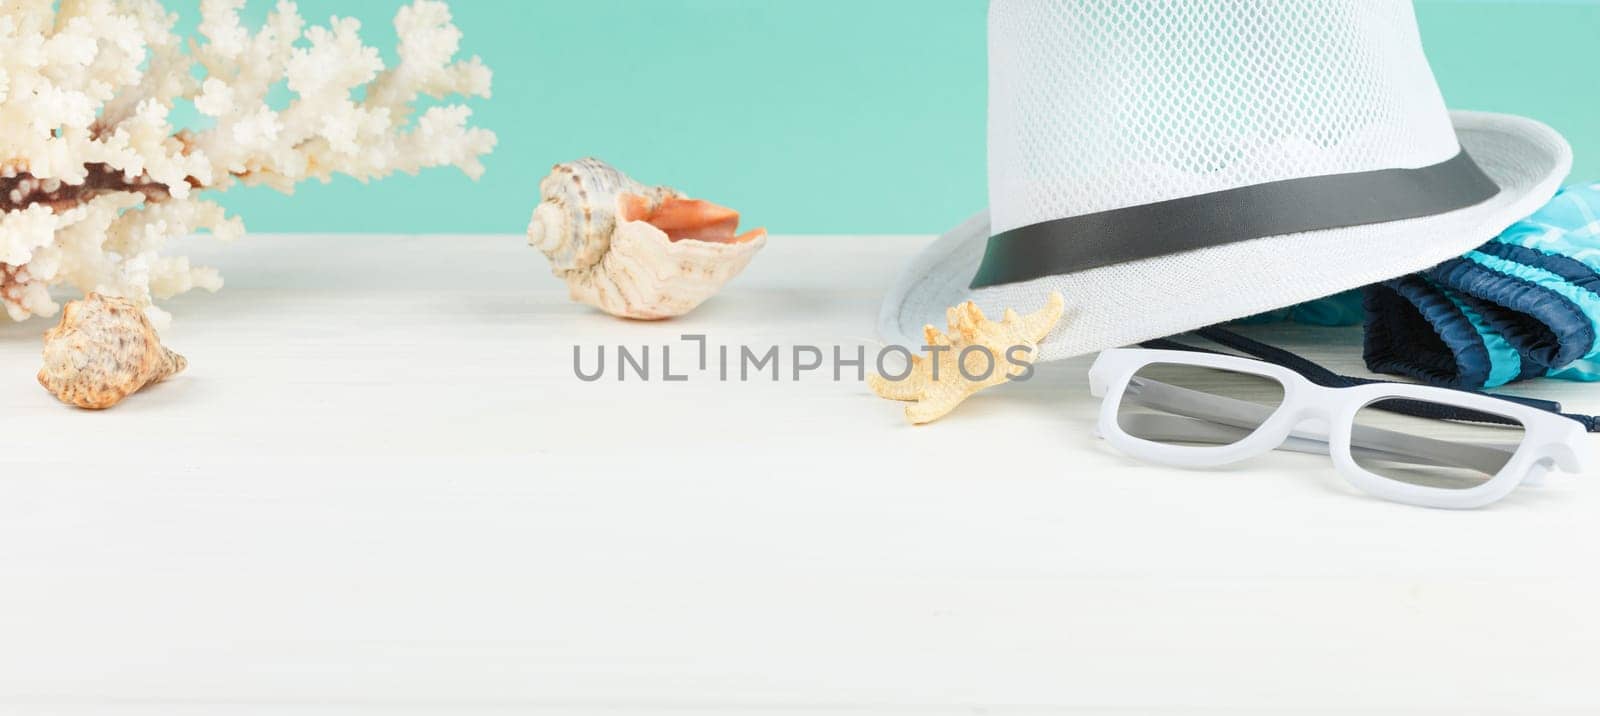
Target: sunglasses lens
<point>1193,405</point>
<point>1429,452</point>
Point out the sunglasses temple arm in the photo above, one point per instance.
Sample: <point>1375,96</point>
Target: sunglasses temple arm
<point>1244,416</point>
<point>1324,377</point>
<point>1327,378</point>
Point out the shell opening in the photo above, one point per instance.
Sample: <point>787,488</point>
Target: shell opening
<point>692,219</point>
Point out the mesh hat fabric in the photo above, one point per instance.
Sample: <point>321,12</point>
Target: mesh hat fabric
<point>1104,104</point>
<point>1097,105</point>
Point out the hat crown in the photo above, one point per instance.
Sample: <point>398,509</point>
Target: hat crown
<point>1102,104</point>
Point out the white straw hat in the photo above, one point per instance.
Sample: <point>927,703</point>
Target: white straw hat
<point>1167,166</point>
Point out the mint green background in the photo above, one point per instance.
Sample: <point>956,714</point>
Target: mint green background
<point>814,116</point>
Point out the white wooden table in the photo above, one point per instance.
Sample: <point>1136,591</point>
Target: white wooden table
<point>380,488</point>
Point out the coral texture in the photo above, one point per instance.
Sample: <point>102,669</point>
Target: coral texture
<point>95,179</point>
<point>103,350</point>
<point>632,250</point>
<point>999,351</point>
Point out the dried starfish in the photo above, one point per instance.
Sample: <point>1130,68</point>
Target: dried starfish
<point>977,353</point>
<point>104,350</point>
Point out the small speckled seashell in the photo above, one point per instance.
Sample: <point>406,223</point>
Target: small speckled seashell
<point>103,350</point>
<point>632,250</point>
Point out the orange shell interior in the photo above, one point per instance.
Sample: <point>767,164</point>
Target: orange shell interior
<point>694,219</point>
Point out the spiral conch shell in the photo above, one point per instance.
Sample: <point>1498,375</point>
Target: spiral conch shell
<point>632,250</point>
<point>103,350</point>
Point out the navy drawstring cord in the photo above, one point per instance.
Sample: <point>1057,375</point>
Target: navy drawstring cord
<point>1327,378</point>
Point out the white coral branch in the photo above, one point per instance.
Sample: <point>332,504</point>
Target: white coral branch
<point>94,178</point>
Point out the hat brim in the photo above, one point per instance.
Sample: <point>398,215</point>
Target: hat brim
<point>1126,303</point>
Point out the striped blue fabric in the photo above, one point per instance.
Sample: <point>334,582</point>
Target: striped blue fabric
<point>1524,305</point>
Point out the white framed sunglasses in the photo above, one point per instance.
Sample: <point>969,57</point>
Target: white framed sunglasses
<point>1415,444</point>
